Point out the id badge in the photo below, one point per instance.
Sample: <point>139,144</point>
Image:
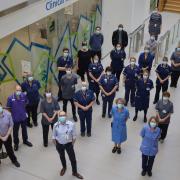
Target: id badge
<point>105,80</point>
<point>148,89</point>
<point>164,111</point>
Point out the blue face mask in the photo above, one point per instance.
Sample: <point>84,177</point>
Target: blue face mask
<point>1,109</point>
<point>62,119</point>
<point>153,124</point>
<point>120,106</point>
<point>18,93</point>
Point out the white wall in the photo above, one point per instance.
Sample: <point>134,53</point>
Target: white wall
<point>130,13</point>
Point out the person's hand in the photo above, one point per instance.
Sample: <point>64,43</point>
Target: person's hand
<point>161,81</point>
<point>86,108</point>
<point>108,94</point>
<point>4,138</point>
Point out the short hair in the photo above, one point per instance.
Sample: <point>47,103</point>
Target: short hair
<point>153,117</point>
<point>166,94</point>
<point>132,58</point>
<point>65,49</point>
<point>120,99</point>
<point>108,68</point>
<point>120,25</point>
<point>165,58</point>
<point>146,71</point>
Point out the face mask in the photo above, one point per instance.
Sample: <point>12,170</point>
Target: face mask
<point>62,119</point>
<point>1,109</point>
<point>178,49</point>
<point>164,62</point>
<point>152,38</point>
<point>146,51</point>
<point>120,28</point>
<point>96,61</point>
<point>145,77</point>
<point>84,88</point>
<point>65,54</point>
<point>68,72</point>
<point>118,48</point>
<point>48,95</point>
<point>153,124</point>
<point>108,73</point>
<point>97,32</point>
<point>30,78</point>
<point>132,63</point>
<point>120,106</point>
<point>84,47</point>
<point>165,99</point>
<point>18,93</point>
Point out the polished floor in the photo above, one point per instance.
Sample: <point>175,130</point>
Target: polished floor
<point>94,158</point>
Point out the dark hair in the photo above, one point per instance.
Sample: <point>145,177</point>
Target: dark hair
<point>165,58</point>
<point>84,43</point>
<point>108,68</point>
<point>132,58</point>
<point>0,103</point>
<point>166,94</point>
<point>120,25</point>
<point>98,27</point>
<point>65,49</point>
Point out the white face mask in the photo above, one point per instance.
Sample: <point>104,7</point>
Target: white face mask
<point>145,77</point>
<point>132,63</point>
<point>30,78</point>
<point>120,106</point>
<point>165,99</point>
<point>1,109</point>
<point>83,88</point>
<point>18,93</point>
<point>68,72</point>
<point>96,61</point>
<point>48,95</point>
<point>120,28</point>
<point>65,54</point>
<point>84,47</point>
<point>152,38</point>
<point>146,51</point>
<point>118,48</point>
<point>164,62</point>
<point>153,124</point>
<point>108,73</point>
<point>98,31</point>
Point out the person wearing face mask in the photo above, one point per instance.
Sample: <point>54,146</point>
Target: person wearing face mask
<point>108,85</point>
<point>96,42</point>
<point>131,75</point>
<point>155,23</point>
<point>143,87</point>
<point>145,60</point>
<point>49,108</point>
<point>64,137</point>
<point>84,100</point>
<point>120,36</point>
<point>17,104</point>
<point>6,127</point>
<point>152,44</point>
<point>83,60</point>
<point>68,86</point>
<point>31,88</point>
<point>150,134</point>
<point>118,56</point>
<point>95,72</point>
<point>164,109</point>
<point>63,62</point>
<point>120,116</point>
<point>175,66</point>
<point>163,72</point>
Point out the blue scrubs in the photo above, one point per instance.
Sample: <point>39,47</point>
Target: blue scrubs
<point>164,71</point>
<point>143,94</point>
<point>132,74</point>
<point>117,62</point>
<point>119,129</point>
<point>96,70</point>
<point>84,99</point>
<point>144,63</point>
<point>108,83</point>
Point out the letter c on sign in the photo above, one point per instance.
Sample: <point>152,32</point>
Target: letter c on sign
<point>48,6</point>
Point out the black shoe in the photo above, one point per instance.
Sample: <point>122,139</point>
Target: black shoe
<point>119,150</point>
<point>16,163</point>
<point>45,145</point>
<point>29,125</point>
<point>77,175</point>
<point>75,118</point>
<point>35,124</point>
<point>149,173</point>
<point>27,143</point>
<point>125,104</point>
<point>103,115</point>
<point>16,147</point>
<point>109,116</point>
<point>135,118</point>
<point>114,149</point>
<point>82,134</point>
<point>145,119</point>
<point>97,102</point>
<point>88,134</point>
<point>154,102</point>
<point>143,173</point>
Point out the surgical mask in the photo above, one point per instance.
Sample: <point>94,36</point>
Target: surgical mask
<point>152,38</point>
<point>30,78</point>
<point>153,124</point>
<point>65,54</point>
<point>83,88</point>
<point>165,99</point>
<point>108,73</point>
<point>120,28</point>
<point>145,77</point>
<point>118,48</point>
<point>96,61</point>
<point>97,32</point>
<point>146,51</point>
<point>132,63</point>
<point>62,119</point>
<point>1,109</point>
<point>18,93</point>
<point>84,47</point>
<point>164,62</point>
<point>68,72</point>
<point>48,95</point>
<point>120,106</point>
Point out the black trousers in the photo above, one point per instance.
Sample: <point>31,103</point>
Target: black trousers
<point>65,102</point>
<point>16,126</point>
<point>81,72</point>
<point>164,88</point>
<point>106,102</point>
<point>45,129</point>
<point>117,73</point>
<point>59,93</point>
<point>129,90</point>
<point>174,78</point>
<point>70,151</point>
<point>145,112</point>
<point>98,53</point>
<point>32,112</point>
<point>9,149</point>
<point>147,162</point>
<point>164,129</point>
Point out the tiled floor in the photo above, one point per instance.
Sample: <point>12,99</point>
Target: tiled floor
<point>94,157</point>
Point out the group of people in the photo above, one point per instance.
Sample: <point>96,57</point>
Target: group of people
<point>23,103</point>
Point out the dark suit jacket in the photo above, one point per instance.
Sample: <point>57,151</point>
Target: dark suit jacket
<point>115,38</point>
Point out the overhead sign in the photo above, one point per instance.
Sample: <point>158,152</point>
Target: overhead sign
<point>51,4</point>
